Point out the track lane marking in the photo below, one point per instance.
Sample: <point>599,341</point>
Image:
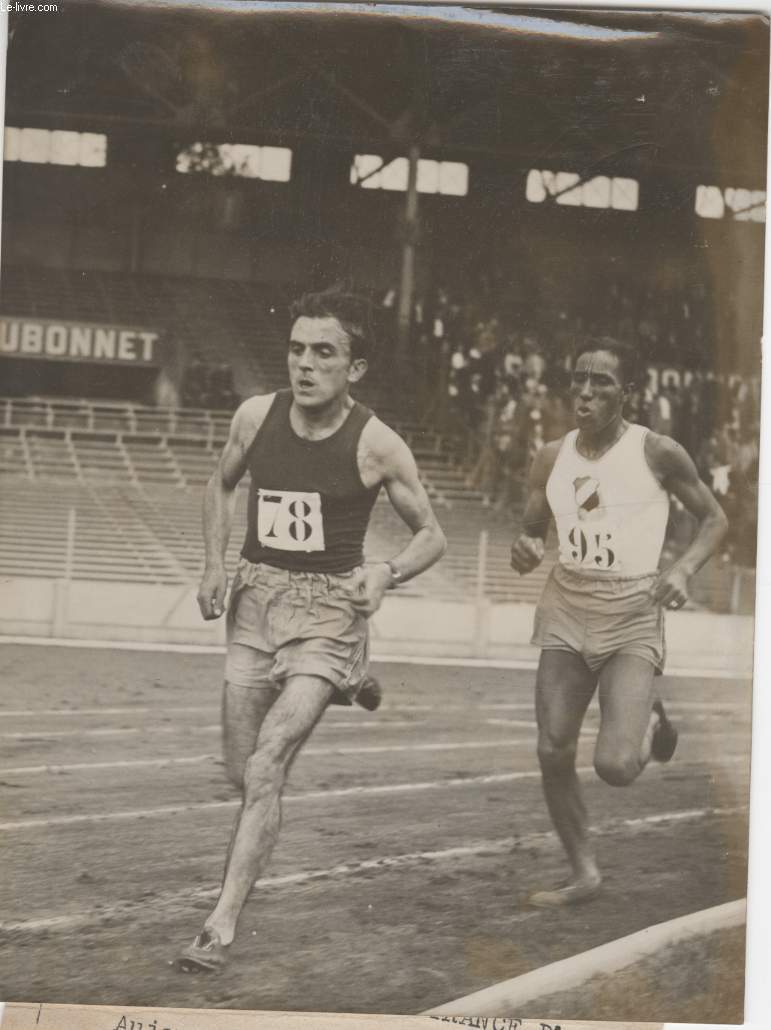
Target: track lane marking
<point>29,770</point>
<point>123,731</point>
<point>383,863</point>
<point>313,795</point>
<point>711,709</point>
<point>591,731</point>
<point>33,770</point>
<point>135,710</point>
<point>527,664</point>
<point>53,768</point>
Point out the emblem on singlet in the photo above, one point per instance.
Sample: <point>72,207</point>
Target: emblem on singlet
<point>290,520</point>
<point>587,491</point>
<point>590,539</point>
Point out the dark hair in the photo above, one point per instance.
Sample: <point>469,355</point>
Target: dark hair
<point>352,310</point>
<point>624,353</point>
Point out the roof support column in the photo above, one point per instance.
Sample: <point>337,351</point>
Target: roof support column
<point>407,282</point>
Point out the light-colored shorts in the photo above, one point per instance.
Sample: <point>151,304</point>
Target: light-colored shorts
<point>282,623</point>
<point>599,617</point>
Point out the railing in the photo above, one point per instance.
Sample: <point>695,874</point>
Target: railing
<point>120,416</point>
<point>204,424</point>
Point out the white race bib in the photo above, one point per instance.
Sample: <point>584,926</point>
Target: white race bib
<point>590,545</point>
<point>290,520</point>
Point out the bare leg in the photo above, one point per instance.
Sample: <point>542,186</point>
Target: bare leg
<point>243,713</point>
<point>286,726</point>
<point>628,723</point>
<point>564,688</point>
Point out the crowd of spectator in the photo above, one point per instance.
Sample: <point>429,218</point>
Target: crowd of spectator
<point>505,392</point>
<point>207,385</point>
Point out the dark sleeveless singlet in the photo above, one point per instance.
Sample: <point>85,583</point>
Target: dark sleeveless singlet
<point>308,508</point>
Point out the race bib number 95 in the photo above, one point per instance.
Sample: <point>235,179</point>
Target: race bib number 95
<point>290,520</point>
<point>591,546</point>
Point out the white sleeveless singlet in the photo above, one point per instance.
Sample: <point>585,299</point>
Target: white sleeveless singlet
<point>611,512</point>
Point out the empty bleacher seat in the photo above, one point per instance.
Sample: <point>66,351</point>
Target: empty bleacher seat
<point>137,497</point>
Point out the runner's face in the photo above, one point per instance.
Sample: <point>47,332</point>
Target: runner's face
<point>320,365</point>
<point>598,390</point>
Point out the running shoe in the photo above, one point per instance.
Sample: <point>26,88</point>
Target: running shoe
<point>664,736</point>
<point>370,694</point>
<point>205,955</point>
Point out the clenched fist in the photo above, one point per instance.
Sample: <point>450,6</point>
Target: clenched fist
<point>211,593</point>
<point>526,553</point>
<point>670,589</point>
<point>368,588</point>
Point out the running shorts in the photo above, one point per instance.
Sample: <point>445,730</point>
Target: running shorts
<point>282,623</point>
<point>598,617</point>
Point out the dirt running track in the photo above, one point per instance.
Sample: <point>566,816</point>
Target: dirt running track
<point>411,837</point>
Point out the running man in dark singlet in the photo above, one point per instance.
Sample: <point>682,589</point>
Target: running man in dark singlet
<point>299,604</point>
<point>600,619</point>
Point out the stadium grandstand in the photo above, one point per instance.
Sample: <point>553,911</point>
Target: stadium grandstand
<point>502,184</point>
<point>152,241</point>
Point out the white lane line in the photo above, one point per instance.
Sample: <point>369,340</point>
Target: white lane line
<point>113,645</point>
<point>708,706</point>
<point>160,710</point>
<point>154,905</point>
<point>460,663</point>
<point>685,732</point>
<point>713,708</point>
<point>530,665</point>
<point>586,731</point>
<point>504,706</point>
<point>153,763</point>
<point>378,749</point>
<point>378,724</point>
<point>439,746</point>
<point>311,795</point>
<point>354,724</point>
<point>674,707</point>
<point>123,731</point>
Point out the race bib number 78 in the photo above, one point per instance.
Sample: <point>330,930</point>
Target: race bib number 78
<point>290,520</point>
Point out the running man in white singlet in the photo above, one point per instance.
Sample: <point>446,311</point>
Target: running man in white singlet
<point>600,620</point>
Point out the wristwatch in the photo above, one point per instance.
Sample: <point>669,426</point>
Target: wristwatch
<point>396,575</point>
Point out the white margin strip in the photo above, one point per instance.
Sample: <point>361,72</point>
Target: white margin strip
<point>558,977</point>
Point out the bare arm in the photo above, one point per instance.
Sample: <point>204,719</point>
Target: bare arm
<point>675,470</point>
<point>410,502</point>
<point>527,550</point>
<point>220,500</point>
<point>386,458</point>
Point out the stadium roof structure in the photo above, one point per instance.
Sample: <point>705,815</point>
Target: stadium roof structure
<point>611,91</point>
